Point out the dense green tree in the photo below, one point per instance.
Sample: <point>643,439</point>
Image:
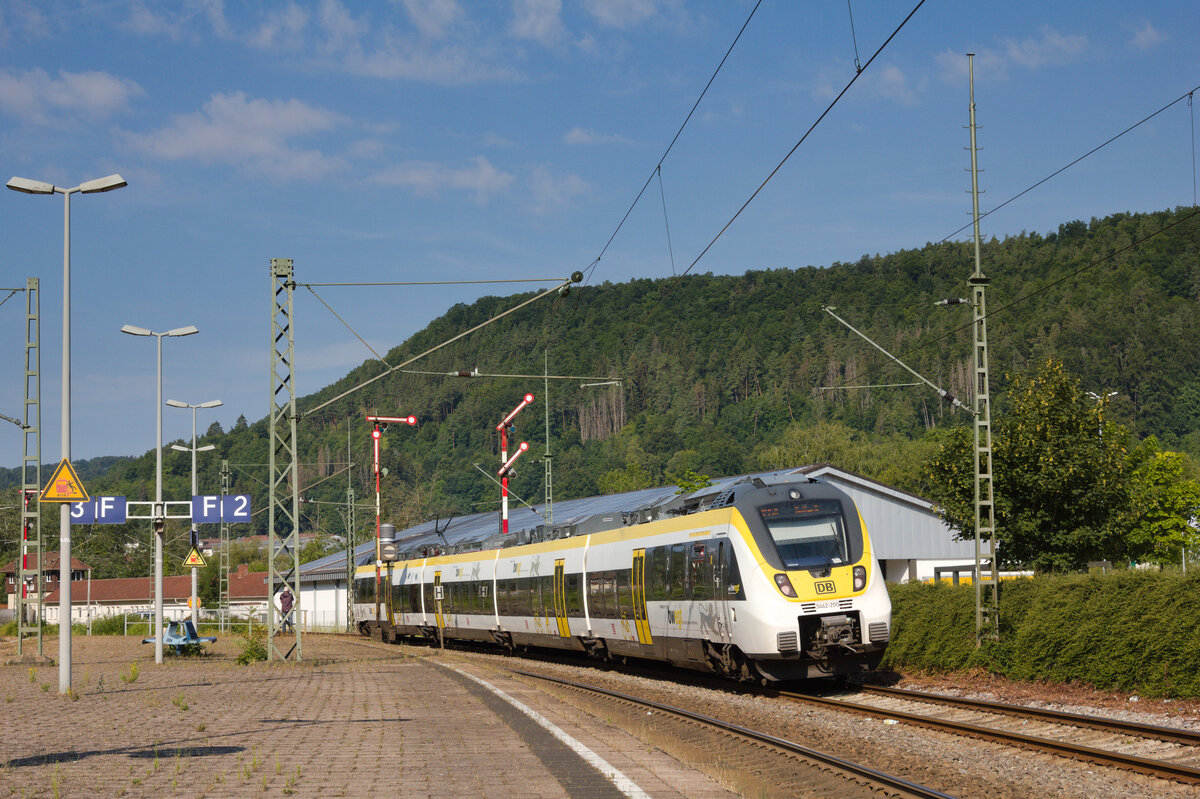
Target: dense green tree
<point>1070,487</point>
<point>722,374</point>
<point>1163,501</point>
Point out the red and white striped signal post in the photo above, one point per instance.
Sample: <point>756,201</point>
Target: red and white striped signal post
<point>505,427</point>
<point>381,423</point>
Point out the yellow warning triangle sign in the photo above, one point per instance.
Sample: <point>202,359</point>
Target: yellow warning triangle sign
<point>194,559</point>
<point>64,485</point>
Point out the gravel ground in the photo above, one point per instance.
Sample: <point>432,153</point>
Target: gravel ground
<point>959,766</point>
<point>1182,713</point>
<point>119,718</point>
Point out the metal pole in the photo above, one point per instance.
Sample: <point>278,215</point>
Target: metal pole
<point>158,512</point>
<point>64,511</point>
<point>195,570</point>
<point>375,434</point>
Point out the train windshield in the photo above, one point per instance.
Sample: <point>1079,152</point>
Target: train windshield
<point>807,532</point>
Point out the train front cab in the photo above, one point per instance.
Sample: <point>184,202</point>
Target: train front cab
<point>824,608</point>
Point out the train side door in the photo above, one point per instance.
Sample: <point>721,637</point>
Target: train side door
<point>720,571</point>
<point>639,597</point>
<point>560,597</point>
<point>437,591</point>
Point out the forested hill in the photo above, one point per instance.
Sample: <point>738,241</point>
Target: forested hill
<point>724,374</point>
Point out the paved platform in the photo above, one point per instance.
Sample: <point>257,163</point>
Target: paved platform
<point>355,719</point>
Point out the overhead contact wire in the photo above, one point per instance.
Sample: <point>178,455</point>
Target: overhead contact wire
<point>804,137</point>
<point>434,348</point>
<point>1041,289</point>
<point>591,267</point>
<point>347,324</point>
<point>1090,152</point>
<point>666,222</point>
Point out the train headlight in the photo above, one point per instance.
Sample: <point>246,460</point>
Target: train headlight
<point>860,578</point>
<point>785,585</point>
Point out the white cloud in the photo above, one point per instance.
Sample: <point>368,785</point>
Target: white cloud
<point>426,178</point>
<point>1051,48</point>
<point>38,98</point>
<point>620,14</point>
<point>540,20</point>
<point>493,139</point>
<point>579,135</point>
<point>174,21</point>
<point>1147,36</point>
<point>552,192</point>
<point>283,27</point>
<point>433,17</point>
<point>340,30</point>
<point>253,133</point>
<point>882,81</point>
<point>452,64</point>
<point>892,83</point>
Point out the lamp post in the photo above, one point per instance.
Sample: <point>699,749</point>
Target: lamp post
<point>195,603</point>
<point>160,516</point>
<point>97,186</point>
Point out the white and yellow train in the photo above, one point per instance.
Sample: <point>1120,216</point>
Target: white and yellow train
<point>768,580</point>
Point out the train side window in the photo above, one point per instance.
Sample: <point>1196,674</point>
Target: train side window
<point>624,593</point>
<point>574,601</point>
<point>700,568</point>
<point>502,597</point>
<point>414,598</point>
<point>656,577</point>
<point>607,597</point>
<point>678,573</point>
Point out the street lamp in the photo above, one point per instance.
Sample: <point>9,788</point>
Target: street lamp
<point>27,186</point>
<point>194,449</point>
<point>160,516</point>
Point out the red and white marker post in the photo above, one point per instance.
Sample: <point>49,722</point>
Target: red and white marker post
<point>505,464</point>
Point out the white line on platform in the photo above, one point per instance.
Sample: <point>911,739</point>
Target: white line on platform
<point>623,783</point>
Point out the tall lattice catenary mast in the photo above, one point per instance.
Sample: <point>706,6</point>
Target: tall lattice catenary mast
<point>987,586</point>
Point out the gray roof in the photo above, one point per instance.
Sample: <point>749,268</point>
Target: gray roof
<point>902,525</point>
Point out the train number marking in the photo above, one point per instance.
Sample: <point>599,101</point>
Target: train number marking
<point>825,586</point>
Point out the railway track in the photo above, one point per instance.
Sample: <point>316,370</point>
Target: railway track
<point>1174,754</point>
<point>774,760</point>
<point>1157,751</point>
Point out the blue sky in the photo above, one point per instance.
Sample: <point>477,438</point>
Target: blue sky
<point>454,140</point>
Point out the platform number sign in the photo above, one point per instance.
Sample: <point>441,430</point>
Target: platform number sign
<point>212,509</point>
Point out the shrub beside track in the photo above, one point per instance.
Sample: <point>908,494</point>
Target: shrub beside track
<point>1122,631</point>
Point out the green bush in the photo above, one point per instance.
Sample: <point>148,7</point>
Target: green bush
<point>254,648</point>
<point>1124,631</point>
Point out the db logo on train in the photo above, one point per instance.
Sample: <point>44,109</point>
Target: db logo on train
<point>825,587</point>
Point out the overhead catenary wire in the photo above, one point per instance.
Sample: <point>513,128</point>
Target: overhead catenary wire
<point>488,374</point>
<point>437,347</point>
<point>1192,114</point>
<point>853,37</point>
<point>666,223</point>
<point>1097,148</point>
<point>811,128</point>
<point>347,324</point>
<point>1040,290</point>
<point>441,282</point>
<point>595,262</point>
